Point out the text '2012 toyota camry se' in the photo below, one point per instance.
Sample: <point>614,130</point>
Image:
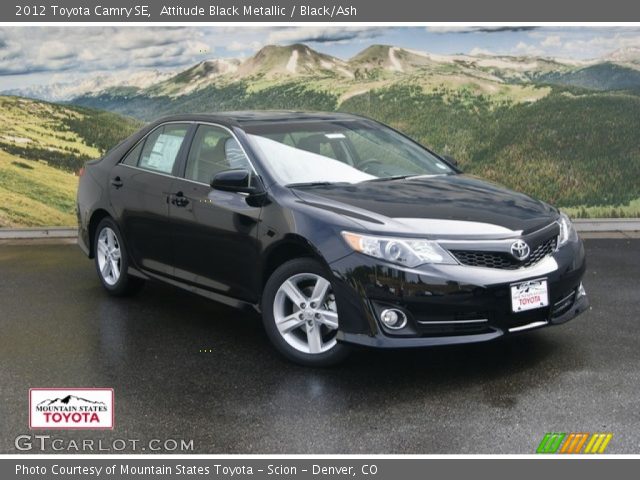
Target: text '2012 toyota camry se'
<point>339,230</point>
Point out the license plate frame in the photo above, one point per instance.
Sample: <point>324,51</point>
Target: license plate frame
<point>529,295</point>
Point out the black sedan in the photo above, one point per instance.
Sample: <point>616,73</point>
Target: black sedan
<point>338,229</point>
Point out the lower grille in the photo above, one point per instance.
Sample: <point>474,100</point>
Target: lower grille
<point>562,306</point>
<point>504,260</point>
<point>452,328</point>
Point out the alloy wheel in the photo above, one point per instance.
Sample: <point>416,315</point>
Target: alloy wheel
<point>109,256</point>
<point>305,313</point>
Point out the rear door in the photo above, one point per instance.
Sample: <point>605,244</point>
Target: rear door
<point>139,189</point>
<point>214,232</point>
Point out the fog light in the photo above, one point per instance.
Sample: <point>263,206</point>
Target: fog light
<point>581,291</point>
<point>393,318</point>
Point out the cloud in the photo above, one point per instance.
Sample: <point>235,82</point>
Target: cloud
<point>480,51</point>
<point>600,45</point>
<point>323,34</point>
<point>480,29</point>
<point>505,29</point>
<point>551,41</point>
<point>238,46</point>
<point>523,48</point>
<point>583,42</point>
<point>56,51</point>
<point>140,38</point>
<point>82,49</point>
<point>568,43</point>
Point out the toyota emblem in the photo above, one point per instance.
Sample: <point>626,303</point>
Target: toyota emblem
<point>520,250</point>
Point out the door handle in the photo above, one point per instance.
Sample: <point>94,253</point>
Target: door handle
<point>179,200</point>
<point>117,182</point>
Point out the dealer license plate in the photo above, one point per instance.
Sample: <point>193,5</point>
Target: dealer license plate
<point>529,295</point>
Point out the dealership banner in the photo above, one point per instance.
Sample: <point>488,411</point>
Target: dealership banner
<point>311,468</point>
<point>329,11</point>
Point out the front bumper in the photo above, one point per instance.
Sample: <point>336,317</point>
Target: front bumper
<point>451,304</point>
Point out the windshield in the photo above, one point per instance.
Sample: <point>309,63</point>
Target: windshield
<point>350,151</point>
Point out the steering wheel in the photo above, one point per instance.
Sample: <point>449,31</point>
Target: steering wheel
<point>365,164</point>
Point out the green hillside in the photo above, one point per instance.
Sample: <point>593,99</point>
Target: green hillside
<point>42,146</point>
<point>572,150</point>
<point>604,76</point>
<point>35,194</point>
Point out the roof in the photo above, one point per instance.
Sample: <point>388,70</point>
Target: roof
<point>254,117</point>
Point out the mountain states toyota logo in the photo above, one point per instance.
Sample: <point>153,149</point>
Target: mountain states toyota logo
<point>71,408</point>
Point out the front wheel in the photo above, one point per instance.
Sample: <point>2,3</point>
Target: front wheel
<point>112,261</point>
<point>300,315</point>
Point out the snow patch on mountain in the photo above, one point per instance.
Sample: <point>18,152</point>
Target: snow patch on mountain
<point>293,62</point>
<point>625,55</point>
<point>393,60</point>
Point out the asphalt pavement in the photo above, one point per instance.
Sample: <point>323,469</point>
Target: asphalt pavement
<point>184,367</point>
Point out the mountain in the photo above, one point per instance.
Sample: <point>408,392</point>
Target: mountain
<point>502,77</point>
<point>602,76</point>
<point>64,91</point>
<point>505,78</point>
<point>390,59</point>
<point>195,77</point>
<point>625,56</point>
<point>275,61</point>
<point>42,145</point>
<point>69,400</point>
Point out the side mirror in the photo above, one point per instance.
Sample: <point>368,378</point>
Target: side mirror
<point>238,180</point>
<point>451,160</point>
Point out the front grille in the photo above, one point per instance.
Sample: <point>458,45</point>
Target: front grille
<point>503,260</point>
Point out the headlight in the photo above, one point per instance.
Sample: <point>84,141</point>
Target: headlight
<point>567,230</point>
<point>408,252</point>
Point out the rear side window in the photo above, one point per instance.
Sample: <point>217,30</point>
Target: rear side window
<point>161,148</point>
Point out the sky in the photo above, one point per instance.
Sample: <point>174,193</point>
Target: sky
<point>47,55</point>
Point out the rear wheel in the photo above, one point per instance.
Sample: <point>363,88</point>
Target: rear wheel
<point>300,314</point>
<point>112,262</point>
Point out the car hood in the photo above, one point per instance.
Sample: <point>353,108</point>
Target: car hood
<point>446,205</point>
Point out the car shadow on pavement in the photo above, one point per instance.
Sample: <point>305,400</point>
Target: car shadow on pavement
<point>194,339</point>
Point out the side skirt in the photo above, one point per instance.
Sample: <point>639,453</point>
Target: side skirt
<point>216,297</point>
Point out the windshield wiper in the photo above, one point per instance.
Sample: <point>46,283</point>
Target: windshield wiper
<point>312,184</point>
<point>393,177</point>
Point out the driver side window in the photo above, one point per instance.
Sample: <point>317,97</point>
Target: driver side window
<point>213,150</point>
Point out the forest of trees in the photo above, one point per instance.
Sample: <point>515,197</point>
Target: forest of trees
<point>567,148</point>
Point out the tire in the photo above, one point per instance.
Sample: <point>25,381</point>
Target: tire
<point>303,335</point>
<point>112,261</point>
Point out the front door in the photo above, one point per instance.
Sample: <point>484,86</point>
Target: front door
<point>214,232</point>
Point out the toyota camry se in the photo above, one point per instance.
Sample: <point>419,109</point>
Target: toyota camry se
<point>339,230</point>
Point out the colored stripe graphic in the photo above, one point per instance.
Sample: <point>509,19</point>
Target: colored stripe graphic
<point>580,443</point>
<point>550,443</point>
<point>569,443</point>
<point>554,442</point>
<point>598,443</point>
